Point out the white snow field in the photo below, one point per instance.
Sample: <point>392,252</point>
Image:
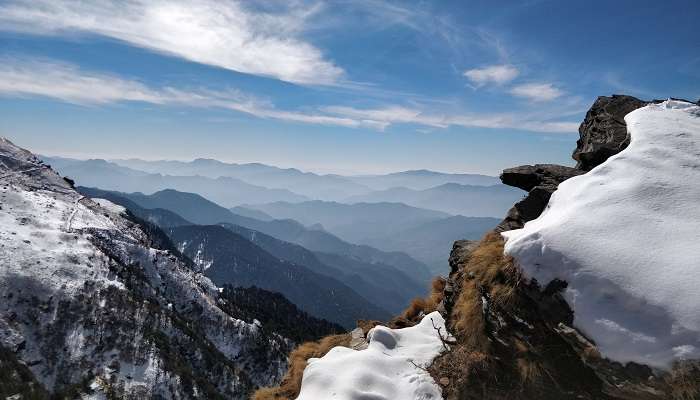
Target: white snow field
<point>391,368</point>
<point>626,237</point>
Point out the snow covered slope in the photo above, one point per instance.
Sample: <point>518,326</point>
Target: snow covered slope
<point>91,308</point>
<point>391,367</point>
<point>625,236</point>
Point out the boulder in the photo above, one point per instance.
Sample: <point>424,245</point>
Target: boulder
<point>603,132</point>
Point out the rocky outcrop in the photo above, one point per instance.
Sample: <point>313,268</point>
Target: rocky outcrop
<point>527,177</point>
<point>515,338</point>
<point>603,132</point>
<point>540,181</point>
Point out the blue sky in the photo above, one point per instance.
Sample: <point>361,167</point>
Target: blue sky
<point>333,86</point>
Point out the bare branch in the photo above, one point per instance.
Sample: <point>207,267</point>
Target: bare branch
<point>439,332</point>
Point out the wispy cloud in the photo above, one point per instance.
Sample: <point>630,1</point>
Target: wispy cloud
<point>386,116</point>
<point>226,34</point>
<point>537,91</point>
<point>66,82</point>
<point>495,74</point>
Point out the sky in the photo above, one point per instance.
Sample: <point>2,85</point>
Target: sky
<point>362,86</point>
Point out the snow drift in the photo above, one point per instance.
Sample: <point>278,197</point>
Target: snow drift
<point>625,237</point>
<point>390,368</point>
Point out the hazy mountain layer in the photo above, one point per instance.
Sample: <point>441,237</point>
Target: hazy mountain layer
<point>326,187</point>
<point>422,179</point>
<point>201,211</point>
<point>353,222</point>
<point>229,259</point>
<point>431,242</point>
<point>391,292</point>
<point>224,190</point>
<point>452,198</point>
<point>381,284</point>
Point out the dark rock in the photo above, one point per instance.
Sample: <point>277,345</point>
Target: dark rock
<point>603,132</point>
<point>69,181</point>
<point>541,180</point>
<point>461,250</point>
<point>526,177</point>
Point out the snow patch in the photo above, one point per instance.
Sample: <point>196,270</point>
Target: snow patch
<point>392,366</point>
<point>109,206</point>
<point>625,237</point>
<point>34,242</point>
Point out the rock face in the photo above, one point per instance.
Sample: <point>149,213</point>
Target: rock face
<point>603,131</point>
<point>461,250</point>
<point>540,180</point>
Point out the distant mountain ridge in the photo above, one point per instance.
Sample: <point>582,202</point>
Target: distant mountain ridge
<point>423,234</point>
<point>452,198</point>
<point>308,184</point>
<point>223,190</point>
<point>329,187</point>
<point>431,242</point>
<point>422,179</point>
<point>356,222</point>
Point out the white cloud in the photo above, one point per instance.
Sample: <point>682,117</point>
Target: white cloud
<point>537,91</point>
<point>395,114</point>
<point>496,74</point>
<point>225,34</point>
<point>388,115</point>
<point>66,82</point>
<point>617,328</point>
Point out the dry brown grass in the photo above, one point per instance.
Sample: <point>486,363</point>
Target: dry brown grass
<point>291,384</point>
<point>461,367</point>
<point>487,271</point>
<point>529,370</point>
<point>684,380</point>
<point>421,306</point>
<point>367,324</point>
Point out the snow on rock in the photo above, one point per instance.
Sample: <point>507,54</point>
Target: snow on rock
<point>111,207</point>
<point>390,368</point>
<point>84,296</point>
<point>625,236</point>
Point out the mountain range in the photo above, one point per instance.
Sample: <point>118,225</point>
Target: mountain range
<point>323,187</point>
<point>223,190</point>
<point>352,222</point>
<point>451,198</point>
<point>354,266</point>
<point>423,234</point>
<point>327,187</point>
<point>94,303</point>
<point>422,179</point>
<point>232,185</point>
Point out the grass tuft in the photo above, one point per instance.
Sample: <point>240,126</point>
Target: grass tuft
<point>291,384</point>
